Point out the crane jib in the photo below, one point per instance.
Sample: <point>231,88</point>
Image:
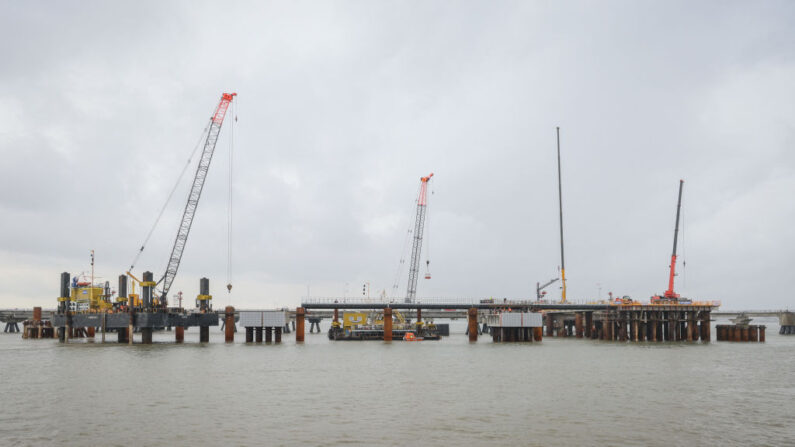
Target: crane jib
<point>220,112</point>
<point>195,194</point>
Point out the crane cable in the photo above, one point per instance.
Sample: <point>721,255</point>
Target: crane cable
<point>229,216</point>
<point>427,238</point>
<point>170,195</point>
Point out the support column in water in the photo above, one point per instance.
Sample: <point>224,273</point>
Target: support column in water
<point>642,326</point>
<point>672,323</point>
<point>473,324</point>
<point>653,322</point>
<point>708,332</point>
<point>388,325</point>
<point>299,324</point>
<point>588,324</point>
<point>148,303</point>
<point>131,326</point>
<point>609,326</point>
<point>203,302</point>
<point>146,335</point>
<point>229,327</point>
<point>63,307</point>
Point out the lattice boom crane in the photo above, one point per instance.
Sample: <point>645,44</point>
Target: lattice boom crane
<point>419,227</point>
<point>195,194</point>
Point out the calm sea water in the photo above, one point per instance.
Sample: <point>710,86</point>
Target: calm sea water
<point>450,392</point>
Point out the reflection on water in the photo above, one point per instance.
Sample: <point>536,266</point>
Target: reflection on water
<point>560,391</point>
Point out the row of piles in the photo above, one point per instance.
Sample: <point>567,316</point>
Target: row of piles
<point>516,334</point>
<point>38,328</point>
<point>254,333</point>
<point>731,332</point>
<point>637,325</point>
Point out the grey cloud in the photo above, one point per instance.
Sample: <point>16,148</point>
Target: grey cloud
<point>343,106</point>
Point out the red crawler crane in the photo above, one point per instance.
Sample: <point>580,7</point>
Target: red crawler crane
<point>669,294</point>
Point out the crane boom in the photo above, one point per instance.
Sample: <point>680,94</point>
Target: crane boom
<point>670,292</point>
<point>560,203</point>
<point>195,194</point>
<point>540,287</point>
<point>419,226</point>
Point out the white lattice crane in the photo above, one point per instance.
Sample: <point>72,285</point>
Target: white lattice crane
<point>416,249</point>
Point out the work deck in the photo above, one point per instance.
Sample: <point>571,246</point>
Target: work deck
<point>120,320</point>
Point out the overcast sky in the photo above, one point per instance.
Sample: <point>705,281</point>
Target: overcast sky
<point>343,106</point>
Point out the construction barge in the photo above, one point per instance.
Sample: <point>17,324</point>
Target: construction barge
<point>374,333</point>
<point>381,325</point>
<point>86,307</point>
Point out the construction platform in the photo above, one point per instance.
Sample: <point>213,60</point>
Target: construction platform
<point>125,324</point>
<point>604,321</point>
<point>123,320</point>
<point>634,322</point>
<point>78,314</point>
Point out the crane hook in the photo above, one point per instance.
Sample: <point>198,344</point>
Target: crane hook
<point>229,288</point>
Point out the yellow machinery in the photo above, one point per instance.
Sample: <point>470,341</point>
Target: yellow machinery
<point>378,318</point>
<point>90,298</point>
<point>87,296</point>
<point>135,299</point>
<point>352,319</point>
